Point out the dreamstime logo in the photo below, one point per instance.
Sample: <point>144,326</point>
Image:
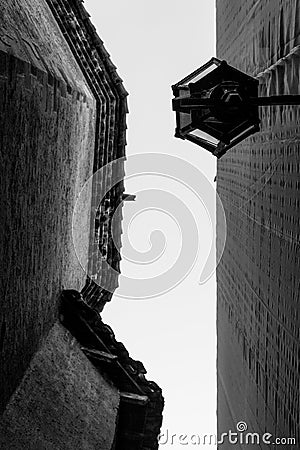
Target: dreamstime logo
<point>239,436</point>
<point>176,175</point>
<point>241,426</point>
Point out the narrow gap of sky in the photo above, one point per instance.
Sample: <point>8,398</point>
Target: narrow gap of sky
<point>154,45</point>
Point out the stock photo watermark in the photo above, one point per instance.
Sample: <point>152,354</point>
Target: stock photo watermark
<point>153,200</point>
<point>239,436</point>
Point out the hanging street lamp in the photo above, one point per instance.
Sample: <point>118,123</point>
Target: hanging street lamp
<point>217,106</point>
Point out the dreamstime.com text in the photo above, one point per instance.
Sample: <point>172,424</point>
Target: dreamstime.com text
<point>239,436</point>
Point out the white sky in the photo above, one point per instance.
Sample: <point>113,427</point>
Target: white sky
<point>155,44</point>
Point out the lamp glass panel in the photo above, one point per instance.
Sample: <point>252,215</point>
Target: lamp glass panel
<point>242,133</point>
<point>207,137</point>
<point>184,120</point>
<point>201,75</point>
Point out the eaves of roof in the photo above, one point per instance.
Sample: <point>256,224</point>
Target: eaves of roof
<point>91,55</point>
<point>140,398</point>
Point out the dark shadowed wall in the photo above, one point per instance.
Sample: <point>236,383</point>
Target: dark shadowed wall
<point>63,402</point>
<point>47,123</point>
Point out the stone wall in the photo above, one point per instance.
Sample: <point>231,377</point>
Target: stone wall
<point>47,123</point>
<point>110,143</point>
<point>63,402</point>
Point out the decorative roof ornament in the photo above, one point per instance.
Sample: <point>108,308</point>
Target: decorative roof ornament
<point>128,197</point>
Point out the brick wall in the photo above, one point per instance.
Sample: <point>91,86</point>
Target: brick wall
<point>110,142</point>
<point>47,123</point>
<point>258,182</point>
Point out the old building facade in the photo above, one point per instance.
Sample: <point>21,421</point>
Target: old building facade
<point>62,118</point>
<point>257,279</point>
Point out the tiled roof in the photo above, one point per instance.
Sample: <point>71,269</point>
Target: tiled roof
<point>140,399</point>
<point>110,143</point>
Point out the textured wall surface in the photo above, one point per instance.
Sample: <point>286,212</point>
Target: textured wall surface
<point>47,123</point>
<point>30,32</point>
<point>258,277</point>
<point>255,34</point>
<point>62,403</point>
<point>110,141</point>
